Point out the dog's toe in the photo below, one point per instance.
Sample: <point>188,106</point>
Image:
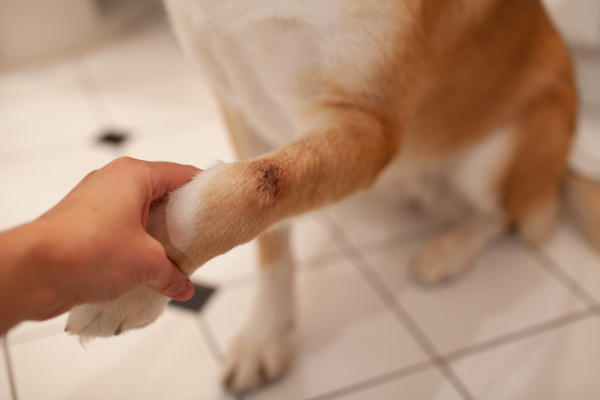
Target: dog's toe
<point>254,362</point>
<point>135,310</point>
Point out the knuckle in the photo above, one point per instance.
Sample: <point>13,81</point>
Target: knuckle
<point>154,256</point>
<point>126,162</point>
<point>91,174</point>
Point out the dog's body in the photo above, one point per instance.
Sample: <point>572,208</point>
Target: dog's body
<point>463,99</point>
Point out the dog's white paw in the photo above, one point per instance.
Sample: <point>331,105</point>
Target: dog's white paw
<point>134,310</point>
<point>256,360</point>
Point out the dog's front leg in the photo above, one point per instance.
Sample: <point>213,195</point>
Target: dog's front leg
<point>233,203</point>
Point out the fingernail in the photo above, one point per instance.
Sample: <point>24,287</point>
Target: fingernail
<point>183,287</point>
<point>187,287</point>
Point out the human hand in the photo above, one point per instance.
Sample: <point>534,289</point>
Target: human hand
<point>97,248</point>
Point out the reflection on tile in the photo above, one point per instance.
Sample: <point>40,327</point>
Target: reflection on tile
<point>167,360</point>
<point>556,365</point>
<point>505,291</point>
<point>44,117</point>
<point>345,333</point>
<point>37,186</point>
<point>568,248</point>
<point>428,385</point>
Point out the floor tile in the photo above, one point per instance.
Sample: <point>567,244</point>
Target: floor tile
<point>345,333</point>
<point>37,186</point>
<point>27,331</point>
<point>46,116</point>
<point>151,48</point>
<point>557,365</point>
<point>506,291</point>
<point>427,385</point>
<point>587,67</point>
<point>197,141</point>
<point>153,98</point>
<point>585,154</point>
<point>311,246</point>
<point>36,78</point>
<point>569,249</point>
<point>167,360</point>
<point>5,393</point>
<point>370,217</point>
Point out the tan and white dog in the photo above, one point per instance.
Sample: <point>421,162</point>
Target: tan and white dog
<point>320,97</point>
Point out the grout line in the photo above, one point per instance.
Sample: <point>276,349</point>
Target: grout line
<point>444,362</point>
<point>388,298</point>
<point>522,334</point>
<point>379,380</point>
<point>209,337</point>
<point>460,387</point>
<point>88,85</point>
<point>366,271</point>
<point>552,267</point>
<point>9,368</point>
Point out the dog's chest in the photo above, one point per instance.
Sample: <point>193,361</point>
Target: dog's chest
<point>268,59</point>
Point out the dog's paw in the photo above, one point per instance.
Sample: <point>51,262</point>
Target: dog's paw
<point>440,261</point>
<point>255,361</point>
<point>132,311</point>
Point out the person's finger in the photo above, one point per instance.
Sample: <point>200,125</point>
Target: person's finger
<point>168,176</point>
<point>173,283</point>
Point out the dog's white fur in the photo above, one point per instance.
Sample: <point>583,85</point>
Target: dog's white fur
<point>262,57</point>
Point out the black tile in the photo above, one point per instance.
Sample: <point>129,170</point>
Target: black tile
<point>201,295</point>
<point>113,137</point>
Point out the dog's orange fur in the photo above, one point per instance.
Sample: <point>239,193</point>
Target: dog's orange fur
<point>443,77</point>
<point>462,69</point>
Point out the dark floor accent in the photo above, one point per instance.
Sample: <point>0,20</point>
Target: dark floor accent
<point>201,295</point>
<point>113,137</point>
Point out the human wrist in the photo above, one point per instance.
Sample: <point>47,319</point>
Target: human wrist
<point>27,284</point>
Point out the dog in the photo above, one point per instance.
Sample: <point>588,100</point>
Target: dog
<point>471,100</point>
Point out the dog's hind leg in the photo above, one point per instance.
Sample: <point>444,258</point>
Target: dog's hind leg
<point>478,179</point>
<point>455,251</point>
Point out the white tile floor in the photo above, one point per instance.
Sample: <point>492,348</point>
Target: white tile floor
<point>522,325</point>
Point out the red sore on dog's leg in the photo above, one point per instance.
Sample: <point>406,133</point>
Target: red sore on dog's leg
<point>269,176</point>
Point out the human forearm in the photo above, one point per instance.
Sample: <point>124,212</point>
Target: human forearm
<point>27,287</point>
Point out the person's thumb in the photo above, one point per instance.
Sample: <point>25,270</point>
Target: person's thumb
<point>173,283</point>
